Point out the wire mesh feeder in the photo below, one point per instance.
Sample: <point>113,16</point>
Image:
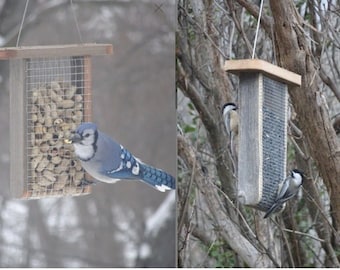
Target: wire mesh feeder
<point>263,103</point>
<point>50,95</point>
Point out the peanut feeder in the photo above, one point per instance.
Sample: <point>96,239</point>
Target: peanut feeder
<point>50,95</point>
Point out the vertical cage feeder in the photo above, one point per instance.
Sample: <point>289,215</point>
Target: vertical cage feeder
<point>263,109</point>
<point>50,95</point>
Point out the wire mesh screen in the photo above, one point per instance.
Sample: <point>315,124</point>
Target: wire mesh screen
<point>57,101</point>
<point>274,113</point>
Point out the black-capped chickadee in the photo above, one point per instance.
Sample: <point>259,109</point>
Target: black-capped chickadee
<point>231,118</point>
<point>231,121</point>
<point>287,190</point>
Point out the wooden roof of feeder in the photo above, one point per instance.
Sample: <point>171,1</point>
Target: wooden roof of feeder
<point>55,51</point>
<point>257,65</point>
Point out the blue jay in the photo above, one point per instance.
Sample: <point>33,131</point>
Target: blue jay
<point>108,161</point>
<point>287,190</point>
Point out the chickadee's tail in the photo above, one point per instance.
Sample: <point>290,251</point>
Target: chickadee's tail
<point>157,178</point>
<point>276,207</point>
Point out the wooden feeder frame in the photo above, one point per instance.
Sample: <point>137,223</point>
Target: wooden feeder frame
<point>17,57</point>
<point>253,189</point>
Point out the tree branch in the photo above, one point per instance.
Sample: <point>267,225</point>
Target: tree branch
<point>311,112</point>
<point>327,80</point>
<point>254,10</point>
<point>252,256</point>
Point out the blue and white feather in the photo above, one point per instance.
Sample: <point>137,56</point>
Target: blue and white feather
<point>108,161</point>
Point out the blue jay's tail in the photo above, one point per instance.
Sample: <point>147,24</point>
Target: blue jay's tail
<point>157,178</point>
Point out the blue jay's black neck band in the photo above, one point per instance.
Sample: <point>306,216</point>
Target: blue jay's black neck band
<point>95,142</point>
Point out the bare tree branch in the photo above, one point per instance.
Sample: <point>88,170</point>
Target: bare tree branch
<point>303,43</point>
<point>311,111</point>
<point>241,245</point>
<point>253,9</point>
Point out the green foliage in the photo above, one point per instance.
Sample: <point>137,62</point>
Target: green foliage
<point>223,256</point>
<point>191,35</point>
<point>191,108</point>
<point>308,17</point>
<point>189,128</point>
<point>337,252</point>
<point>299,3</point>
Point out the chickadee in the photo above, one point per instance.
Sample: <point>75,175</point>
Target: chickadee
<point>287,190</point>
<point>231,118</point>
<point>231,121</point>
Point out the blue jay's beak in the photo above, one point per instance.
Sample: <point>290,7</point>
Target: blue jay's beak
<point>74,139</point>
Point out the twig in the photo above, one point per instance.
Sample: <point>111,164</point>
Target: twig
<point>297,147</point>
<point>202,30</point>
<point>187,196</point>
<point>288,246</point>
<point>239,26</point>
<point>238,211</point>
<point>304,234</point>
<point>296,130</point>
<point>190,90</point>
<point>227,229</point>
<point>253,9</point>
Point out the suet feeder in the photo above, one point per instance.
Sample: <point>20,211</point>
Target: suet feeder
<point>263,109</point>
<point>50,95</point>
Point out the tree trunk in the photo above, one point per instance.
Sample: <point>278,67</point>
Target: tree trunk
<point>293,53</point>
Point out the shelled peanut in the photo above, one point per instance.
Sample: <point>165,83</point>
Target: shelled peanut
<point>54,111</point>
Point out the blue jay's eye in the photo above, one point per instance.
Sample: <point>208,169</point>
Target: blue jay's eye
<point>87,135</point>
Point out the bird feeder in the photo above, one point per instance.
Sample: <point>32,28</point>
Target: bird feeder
<point>50,95</point>
<point>263,109</point>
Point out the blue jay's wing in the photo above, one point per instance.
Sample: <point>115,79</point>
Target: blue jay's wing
<point>128,167</point>
<point>132,168</point>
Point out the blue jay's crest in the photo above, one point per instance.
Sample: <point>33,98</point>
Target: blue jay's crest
<point>109,162</point>
<point>85,126</point>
